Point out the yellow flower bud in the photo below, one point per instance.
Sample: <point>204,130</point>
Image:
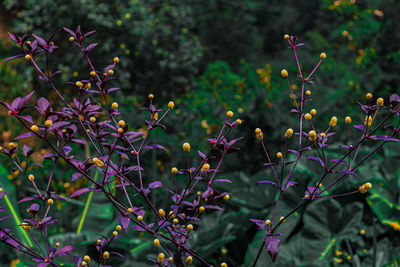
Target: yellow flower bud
<point>279,155</point>
<point>312,135</point>
<point>186,147</point>
<point>226,197</point>
<point>171,104</point>
<point>116,59</point>
<point>156,242</point>
<point>333,121</point>
<point>151,96</point>
<point>175,221</point>
<point>313,112</point>
<point>201,209</point>
<point>140,218</point>
<point>189,227</point>
<point>286,36</point>
<point>322,135</point>
<point>26,226</point>
<point>48,123</point>
<point>86,259</point>
<point>31,177</point>
<point>115,233</point>
<point>121,123</point>
<point>267,222</point>
<point>79,84</point>
<point>284,73</point>
<point>118,228</point>
<point>322,55</point>
<point>114,105</point>
<point>308,116</point>
<point>28,57</point>
<point>50,201</point>
<point>71,39</point>
<point>289,133</point>
<point>161,258</point>
<point>106,255</point>
<point>174,170</point>
<point>34,128</point>
<point>161,212</point>
<point>368,96</point>
<point>239,121</point>
<point>224,264</point>
<point>258,130</point>
<point>170,259</point>
<point>347,120</point>
<point>368,121</point>
<point>229,114</point>
<point>129,210</point>
<point>110,72</point>
<point>92,73</point>
<point>205,167</point>
<point>57,245</point>
<point>282,219</point>
<point>189,260</point>
<point>379,101</point>
<point>365,188</point>
<point>308,92</point>
<point>92,119</point>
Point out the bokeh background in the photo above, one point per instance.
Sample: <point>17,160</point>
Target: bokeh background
<point>209,57</point>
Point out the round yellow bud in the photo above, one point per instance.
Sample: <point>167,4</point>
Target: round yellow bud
<point>118,228</point>
<point>239,121</point>
<point>322,135</point>
<point>174,170</point>
<point>308,92</point>
<point>57,245</point>
<point>98,241</point>
<point>308,116</point>
<point>368,96</point>
<point>121,123</point>
<point>116,59</point>
<point>284,73</point>
<point>205,167</point>
<point>86,259</point>
<point>175,221</point>
<point>106,255</point>
<point>79,84</point>
<point>368,185</point>
<point>161,257</point>
<point>92,119</point>
<point>115,233</point>
<point>322,55</point>
<point>368,121</point>
<point>313,112</point>
<point>286,36</point>
<point>279,155</point>
<point>226,197</point>
<point>170,259</point>
<point>110,72</point>
<point>282,219</point>
<point>50,201</point>
<point>48,123</point>
<point>289,133</point>
<point>150,96</point>
<point>267,222</point>
<point>129,210</point>
<point>140,218</point>
<point>186,147</point>
<point>71,39</point>
<point>31,177</point>
<point>312,135</point>
<point>156,242</point>
<point>28,57</point>
<point>224,264</point>
<point>201,209</point>
<point>92,73</point>
<point>189,260</point>
<point>34,128</point>
<point>347,120</point>
<point>162,212</point>
<point>362,231</point>
<point>189,227</point>
<point>258,130</point>
<point>171,104</point>
<point>333,121</point>
<point>379,101</point>
<point>114,105</point>
<point>229,114</point>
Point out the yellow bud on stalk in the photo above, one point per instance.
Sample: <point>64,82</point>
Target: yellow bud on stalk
<point>86,259</point>
<point>308,92</point>
<point>50,201</point>
<point>31,177</point>
<point>34,128</point>
<point>267,222</point>
<point>116,59</point>
<point>313,112</point>
<point>110,72</point>
<point>347,120</point>
<point>186,147</point>
<point>79,84</point>
<point>161,212</point>
<point>92,119</point>
<point>322,55</point>
<point>48,123</point>
<point>286,36</point>
<point>284,73</point>
<point>312,135</point>
<point>151,96</point>
<point>289,133</point>
<point>205,167</point>
<point>226,197</point>
<point>118,228</point>
<point>174,170</point>
<point>229,114</point>
<point>368,96</point>
<point>239,121</point>
<point>161,258</point>
<point>71,39</point>
<point>156,242</point>
<point>201,209</point>
<point>365,188</point>
<point>115,233</point>
<point>121,123</point>
<point>189,227</point>
<point>92,73</point>
<point>171,104</point>
<point>224,264</point>
<point>140,218</point>
<point>106,255</point>
<point>333,121</point>
<point>379,101</point>
<point>308,116</point>
<point>28,57</point>
<point>189,260</point>
<point>279,155</point>
<point>114,105</point>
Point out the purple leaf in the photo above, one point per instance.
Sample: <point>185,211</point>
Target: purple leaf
<point>202,155</point>
<point>359,127</point>
<point>317,159</point>
<point>267,182</point>
<point>222,181</point>
<point>272,246</point>
<point>289,184</point>
<point>27,151</point>
<point>124,222</point>
<point>25,135</point>
<point>90,47</point>
<point>9,58</point>
<point>76,176</point>
<point>64,250</point>
<point>26,199</point>
<point>384,138</point>
<point>155,184</point>
<point>213,207</point>
<point>260,223</point>
<point>348,172</point>
<point>69,31</point>
<point>88,33</point>
<point>154,146</point>
<point>80,192</point>
<point>40,40</point>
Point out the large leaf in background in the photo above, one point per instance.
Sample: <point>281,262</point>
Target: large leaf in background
<point>10,204</point>
<point>387,211</point>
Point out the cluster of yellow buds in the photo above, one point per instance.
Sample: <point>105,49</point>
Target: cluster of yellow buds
<point>368,121</point>
<point>98,162</point>
<point>289,133</point>
<point>364,188</point>
<point>333,122</point>
<point>161,258</point>
<point>189,260</point>
<point>312,135</point>
<point>259,134</point>
<point>161,212</point>
<point>205,167</point>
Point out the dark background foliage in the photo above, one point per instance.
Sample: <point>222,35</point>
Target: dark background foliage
<point>217,55</point>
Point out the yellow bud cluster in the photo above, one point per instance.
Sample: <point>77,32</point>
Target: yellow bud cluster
<point>259,134</point>
<point>289,133</point>
<point>161,258</point>
<point>106,255</point>
<point>333,122</point>
<point>313,112</point>
<point>98,162</point>
<point>161,212</point>
<point>312,135</point>
<point>114,105</point>
<point>365,188</point>
<point>189,227</point>
<point>205,167</point>
<point>368,121</point>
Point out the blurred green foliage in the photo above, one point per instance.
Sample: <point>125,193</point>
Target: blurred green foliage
<point>218,55</point>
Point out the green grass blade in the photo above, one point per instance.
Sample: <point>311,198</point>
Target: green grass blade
<point>85,210</point>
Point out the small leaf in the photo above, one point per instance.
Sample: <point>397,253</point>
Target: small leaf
<point>272,246</point>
